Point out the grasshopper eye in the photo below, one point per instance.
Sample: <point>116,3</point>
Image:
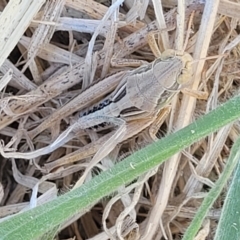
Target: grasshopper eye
<point>185,76</point>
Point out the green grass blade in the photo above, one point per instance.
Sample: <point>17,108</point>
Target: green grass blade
<point>211,198</point>
<point>32,224</point>
<point>229,224</point>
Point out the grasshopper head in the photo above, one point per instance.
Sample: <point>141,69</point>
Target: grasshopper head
<point>186,58</point>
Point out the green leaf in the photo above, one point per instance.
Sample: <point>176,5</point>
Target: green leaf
<point>229,215</point>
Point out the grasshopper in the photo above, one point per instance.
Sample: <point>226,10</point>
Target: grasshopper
<point>141,94</point>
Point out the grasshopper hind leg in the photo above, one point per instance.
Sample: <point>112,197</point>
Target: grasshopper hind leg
<point>107,147</point>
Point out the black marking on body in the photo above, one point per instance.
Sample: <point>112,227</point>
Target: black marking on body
<point>166,96</point>
<point>105,102</point>
<point>96,108</point>
<point>130,110</point>
<point>120,95</point>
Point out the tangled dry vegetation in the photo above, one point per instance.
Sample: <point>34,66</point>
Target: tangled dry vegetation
<point>52,51</point>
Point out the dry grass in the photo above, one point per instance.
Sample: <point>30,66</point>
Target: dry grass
<point>51,54</point>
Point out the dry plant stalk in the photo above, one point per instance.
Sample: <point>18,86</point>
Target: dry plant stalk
<point>63,86</point>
